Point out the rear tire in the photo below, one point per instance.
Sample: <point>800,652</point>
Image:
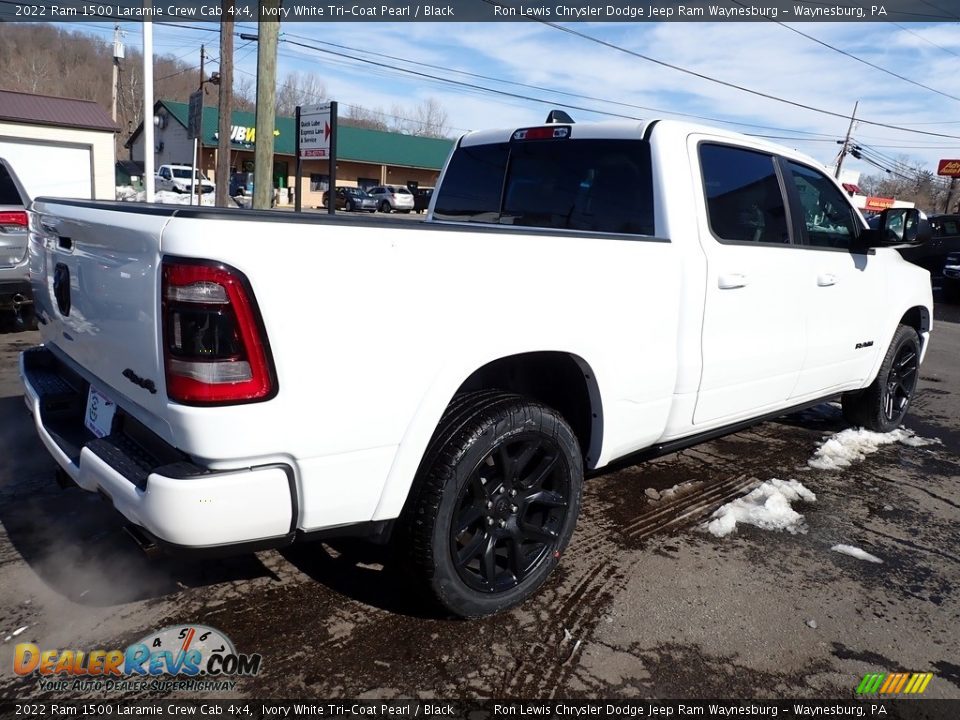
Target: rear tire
<point>882,406</point>
<point>384,206</point>
<point>494,503</point>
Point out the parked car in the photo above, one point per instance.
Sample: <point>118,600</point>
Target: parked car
<point>176,178</point>
<point>392,198</point>
<point>241,184</point>
<point>944,239</point>
<point>15,293</point>
<point>421,198</point>
<point>951,276</point>
<point>352,198</point>
<point>582,295</point>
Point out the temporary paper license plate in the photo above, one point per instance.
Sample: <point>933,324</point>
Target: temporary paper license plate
<point>100,410</point>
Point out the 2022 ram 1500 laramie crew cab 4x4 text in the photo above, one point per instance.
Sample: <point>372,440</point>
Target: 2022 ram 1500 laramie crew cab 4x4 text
<point>578,293</point>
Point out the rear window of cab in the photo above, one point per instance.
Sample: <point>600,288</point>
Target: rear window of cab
<point>565,184</point>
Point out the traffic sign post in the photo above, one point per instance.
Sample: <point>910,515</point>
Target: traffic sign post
<point>317,139</point>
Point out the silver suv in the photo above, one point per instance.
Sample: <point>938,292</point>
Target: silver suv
<point>15,291</point>
<point>392,198</point>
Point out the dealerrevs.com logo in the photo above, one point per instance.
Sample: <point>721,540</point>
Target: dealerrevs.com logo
<point>180,657</point>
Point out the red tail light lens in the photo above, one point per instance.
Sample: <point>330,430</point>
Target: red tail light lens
<point>215,348</point>
<point>15,220</point>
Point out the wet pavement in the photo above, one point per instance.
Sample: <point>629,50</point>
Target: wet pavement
<point>644,604</point>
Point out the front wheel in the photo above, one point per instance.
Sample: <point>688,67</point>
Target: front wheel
<point>495,502</point>
<point>882,406</point>
<point>384,206</point>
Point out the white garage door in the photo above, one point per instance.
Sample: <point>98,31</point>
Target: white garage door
<point>51,170</point>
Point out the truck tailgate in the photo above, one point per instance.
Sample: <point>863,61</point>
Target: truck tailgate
<point>95,275</point>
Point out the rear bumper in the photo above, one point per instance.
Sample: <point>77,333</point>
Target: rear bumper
<point>150,483</point>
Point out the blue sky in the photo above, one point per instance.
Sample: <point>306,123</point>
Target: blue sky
<point>763,56</point>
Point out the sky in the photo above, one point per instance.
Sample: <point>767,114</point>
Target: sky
<point>603,82</point>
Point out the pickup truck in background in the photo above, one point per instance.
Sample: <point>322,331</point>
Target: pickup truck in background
<point>176,178</point>
<point>16,297</point>
<point>579,294</point>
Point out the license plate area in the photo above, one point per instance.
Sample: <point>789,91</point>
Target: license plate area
<point>99,414</point>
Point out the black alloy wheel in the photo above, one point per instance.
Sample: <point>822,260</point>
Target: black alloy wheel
<point>882,405</point>
<point>901,382</point>
<point>494,503</point>
<point>510,513</point>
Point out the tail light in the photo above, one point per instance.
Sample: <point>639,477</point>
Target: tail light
<point>12,221</point>
<point>215,347</point>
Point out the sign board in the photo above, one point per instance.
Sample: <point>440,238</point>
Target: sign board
<point>196,114</point>
<point>878,203</point>
<point>950,168</point>
<point>315,131</point>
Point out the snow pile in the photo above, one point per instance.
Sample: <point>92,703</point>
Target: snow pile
<point>767,506</point>
<point>854,444</point>
<point>128,193</point>
<point>856,552</point>
<point>172,198</point>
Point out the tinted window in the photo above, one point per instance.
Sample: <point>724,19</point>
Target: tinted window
<point>472,184</point>
<point>946,227</point>
<point>592,185</point>
<point>744,201</point>
<point>8,191</point>
<point>828,218</point>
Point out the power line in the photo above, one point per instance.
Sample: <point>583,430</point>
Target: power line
<point>929,42</point>
<point>555,91</point>
<point>732,85</point>
<point>854,57</point>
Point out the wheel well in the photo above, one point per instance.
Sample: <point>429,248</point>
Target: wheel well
<point>918,318</point>
<point>559,380</point>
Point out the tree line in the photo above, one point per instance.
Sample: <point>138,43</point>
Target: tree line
<point>48,60</point>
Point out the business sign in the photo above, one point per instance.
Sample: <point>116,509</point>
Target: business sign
<point>195,116</point>
<point>950,168</point>
<point>878,203</point>
<point>315,131</point>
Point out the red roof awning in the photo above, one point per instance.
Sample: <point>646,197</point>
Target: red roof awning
<point>851,188</point>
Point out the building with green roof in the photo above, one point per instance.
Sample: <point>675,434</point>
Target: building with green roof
<point>364,157</point>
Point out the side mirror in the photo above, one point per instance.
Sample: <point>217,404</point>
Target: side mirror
<point>898,226</point>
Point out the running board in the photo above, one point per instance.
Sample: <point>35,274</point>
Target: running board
<point>671,446</point>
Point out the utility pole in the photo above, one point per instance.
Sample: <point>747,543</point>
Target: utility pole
<point>269,32</point>
<point>117,57</point>
<point>148,156</point>
<point>225,106</point>
<point>846,140</point>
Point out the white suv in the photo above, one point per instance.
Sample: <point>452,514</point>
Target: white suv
<point>392,198</point>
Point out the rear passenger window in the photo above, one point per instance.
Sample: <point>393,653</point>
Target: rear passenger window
<point>744,199</point>
<point>588,185</point>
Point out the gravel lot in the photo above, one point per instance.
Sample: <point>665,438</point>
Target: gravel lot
<point>645,604</point>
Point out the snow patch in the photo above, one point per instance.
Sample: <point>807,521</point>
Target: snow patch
<point>767,506</point>
<point>856,552</point>
<point>854,444</point>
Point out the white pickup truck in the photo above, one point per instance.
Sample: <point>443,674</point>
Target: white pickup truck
<point>579,293</point>
<point>176,178</point>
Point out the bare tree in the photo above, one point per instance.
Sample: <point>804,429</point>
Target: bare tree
<point>358,116</point>
<point>245,94</point>
<point>428,119</point>
<point>299,89</point>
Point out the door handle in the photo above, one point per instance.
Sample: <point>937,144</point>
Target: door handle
<point>826,279</point>
<point>731,281</point>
